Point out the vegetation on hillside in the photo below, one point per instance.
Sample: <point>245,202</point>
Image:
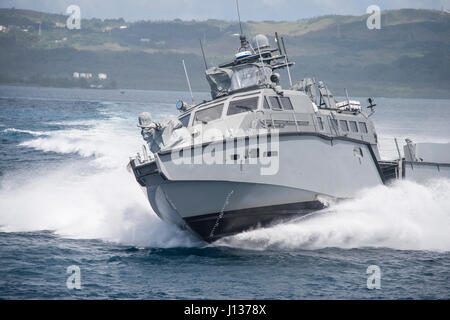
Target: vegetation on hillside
<point>408,56</point>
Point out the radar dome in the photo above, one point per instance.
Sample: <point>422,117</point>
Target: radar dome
<point>260,41</point>
<point>145,119</point>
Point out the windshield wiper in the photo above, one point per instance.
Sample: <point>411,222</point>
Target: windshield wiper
<point>244,107</point>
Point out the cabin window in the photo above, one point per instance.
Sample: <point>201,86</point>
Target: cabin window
<point>209,114</point>
<point>269,154</point>
<point>334,123</point>
<point>344,125</point>
<point>266,104</point>
<point>319,120</point>
<point>353,126</point>
<point>185,120</point>
<point>234,157</point>
<point>286,103</point>
<point>248,76</point>
<point>275,103</point>
<point>243,105</point>
<point>363,127</point>
<point>252,153</point>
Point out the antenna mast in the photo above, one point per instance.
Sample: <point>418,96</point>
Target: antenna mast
<point>261,58</point>
<point>287,61</point>
<point>277,40</point>
<point>244,42</point>
<point>203,53</point>
<point>189,83</point>
<point>239,16</point>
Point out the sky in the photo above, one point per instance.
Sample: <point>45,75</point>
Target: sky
<point>255,10</point>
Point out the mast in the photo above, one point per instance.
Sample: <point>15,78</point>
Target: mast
<point>277,40</point>
<point>287,61</point>
<point>261,59</point>
<point>239,16</point>
<point>203,54</point>
<point>189,82</point>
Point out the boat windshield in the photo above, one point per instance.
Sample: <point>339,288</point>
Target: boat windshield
<point>248,76</point>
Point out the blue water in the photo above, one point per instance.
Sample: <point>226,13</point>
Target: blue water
<point>66,199</point>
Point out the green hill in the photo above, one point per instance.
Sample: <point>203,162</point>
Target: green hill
<point>408,56</point>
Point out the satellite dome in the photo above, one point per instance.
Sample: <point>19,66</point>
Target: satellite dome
<point>145,119</point>
<point>260,41</point>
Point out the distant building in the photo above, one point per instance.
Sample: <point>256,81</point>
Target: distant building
<point>145,40</point>
<point>62,40</point>
<point>87,75</point>
<point>84,75</point>
<point>123,27</point>
<point>60,25</point>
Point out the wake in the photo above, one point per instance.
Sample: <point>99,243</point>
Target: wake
<point>100,199</point>
<point>405,216</point>
<point>97,199</point>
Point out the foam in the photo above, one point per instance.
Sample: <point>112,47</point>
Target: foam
<point>405,216</point>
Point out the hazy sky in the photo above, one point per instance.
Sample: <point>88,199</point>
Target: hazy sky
<point>218,9</point>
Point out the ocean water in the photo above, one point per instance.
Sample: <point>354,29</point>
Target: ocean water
<point>67,199</point>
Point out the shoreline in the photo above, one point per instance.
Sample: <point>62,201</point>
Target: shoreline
<point>355,95</point>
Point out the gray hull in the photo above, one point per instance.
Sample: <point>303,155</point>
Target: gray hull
<point>218,200</point>
<point>422,172</point>
<point>215,209</point>
<point>425,161</point>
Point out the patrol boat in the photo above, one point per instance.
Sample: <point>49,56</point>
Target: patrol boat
<point>258,154</point>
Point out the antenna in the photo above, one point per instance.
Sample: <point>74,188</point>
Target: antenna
<point>239,16</point>
<point>278,43</point>
<point>203,53</point>
<point>348,99</point>
<point>261,58</point>
<point>371,106</point>
<point>328,97</point>
<point>189,83</point>
<point>398,149</point>
<point>287,61</point>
